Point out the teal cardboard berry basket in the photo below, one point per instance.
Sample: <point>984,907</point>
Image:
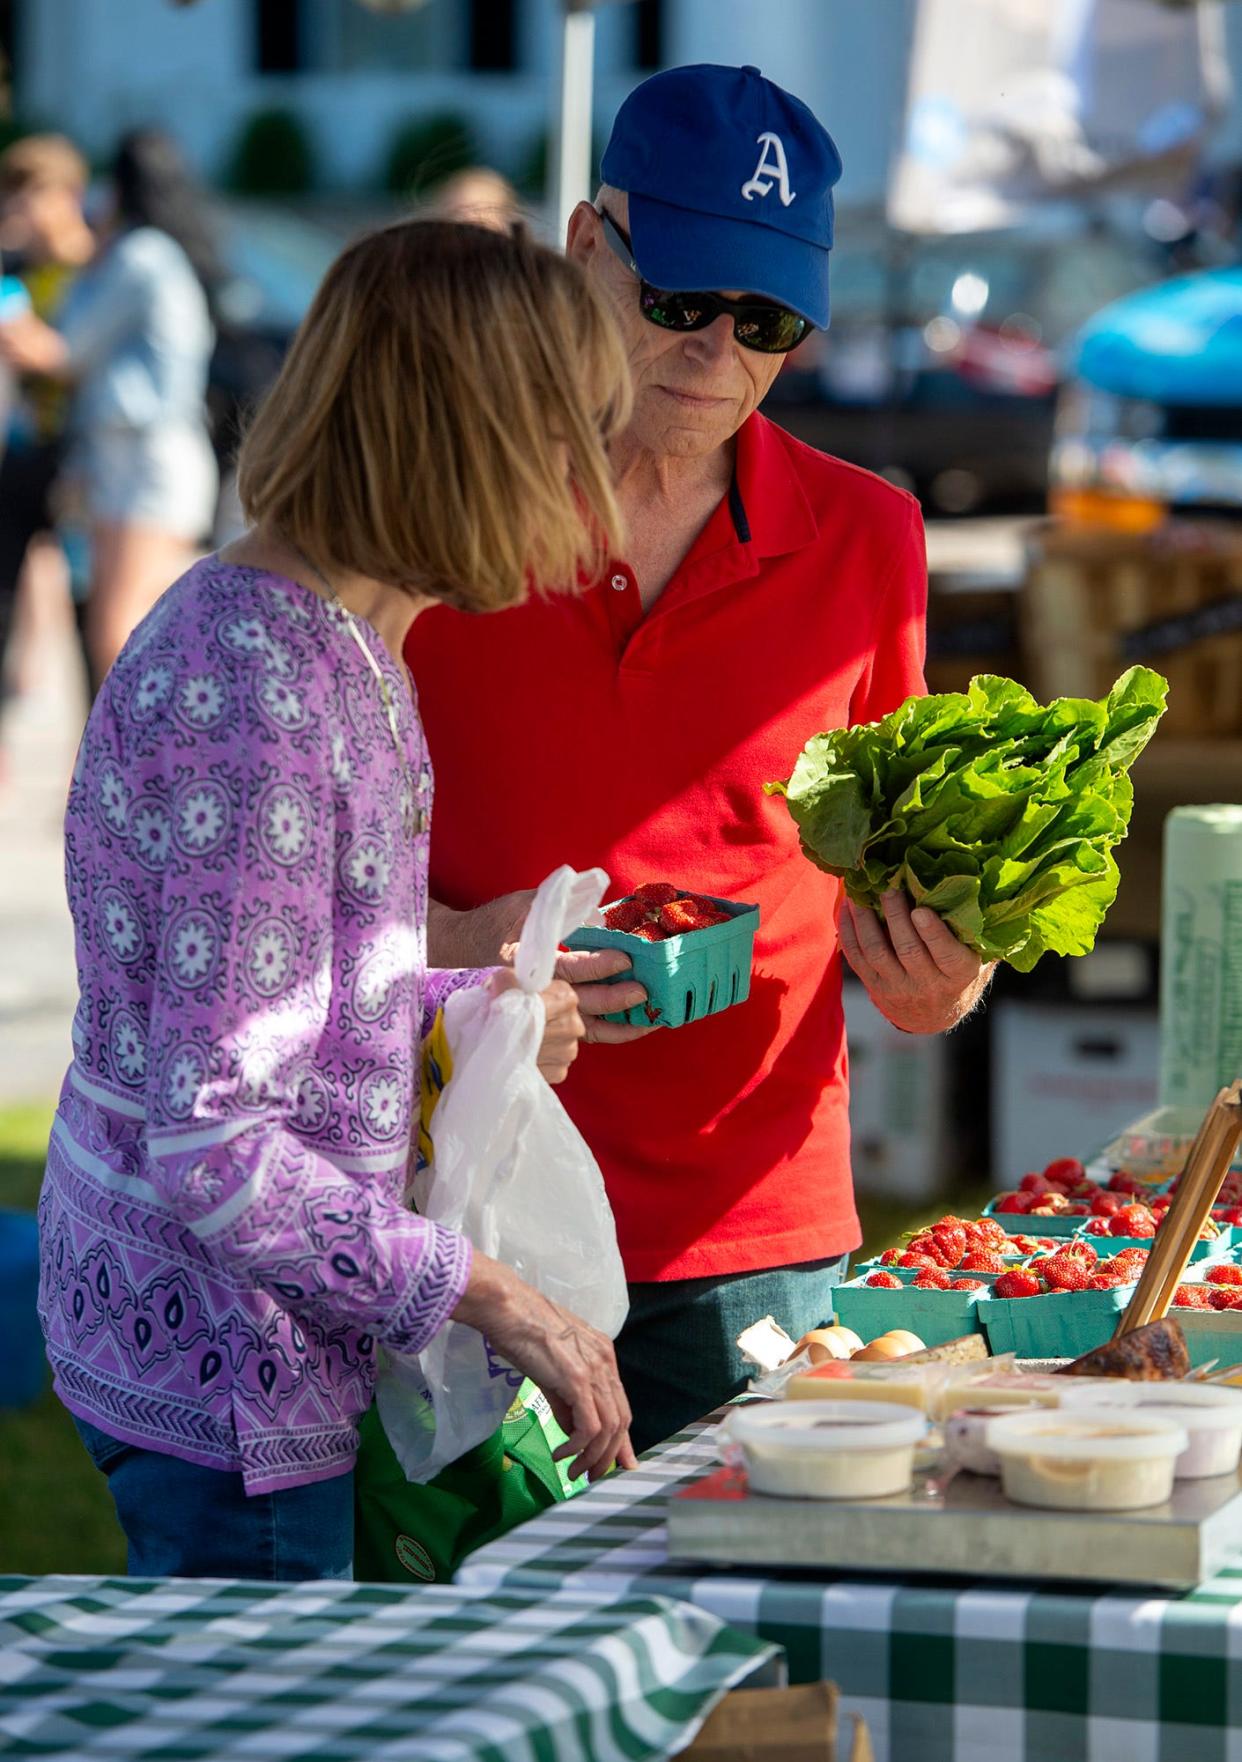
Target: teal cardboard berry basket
<point>686,977</point>
<point>1057,1324</point>
<point>935,1316</point>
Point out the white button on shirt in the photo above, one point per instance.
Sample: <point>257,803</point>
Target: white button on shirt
<point>620,583</point>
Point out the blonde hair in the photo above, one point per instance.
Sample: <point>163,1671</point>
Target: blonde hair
<point>39,160</point>
<point>441,419</point>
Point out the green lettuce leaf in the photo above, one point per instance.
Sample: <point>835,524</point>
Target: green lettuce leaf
<point>997,812</point>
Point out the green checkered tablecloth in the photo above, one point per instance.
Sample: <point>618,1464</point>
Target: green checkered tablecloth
<point>943,1671</point>
<point>157,1669</point>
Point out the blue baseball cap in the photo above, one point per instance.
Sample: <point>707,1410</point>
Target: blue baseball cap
<point>729,180</point>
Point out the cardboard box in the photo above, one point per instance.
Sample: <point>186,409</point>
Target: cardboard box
<point>898,1102</point>
<point>1065,1079</point>
<point>779,1725</point>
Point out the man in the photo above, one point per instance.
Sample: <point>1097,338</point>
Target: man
<point>768,592</point>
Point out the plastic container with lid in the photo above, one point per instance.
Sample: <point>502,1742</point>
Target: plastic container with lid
<point>1211,1415</point>
<point>1108,1460</point>
<point>825,1449</point>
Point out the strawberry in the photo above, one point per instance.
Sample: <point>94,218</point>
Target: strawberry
<point>1063,1272</point>
<point>1106,1204</point>
<point>1224,1275</point>
<point>649,933</point>
<point>1052,1204</point>
<point>1132,1220</point>
<point>1096,1226</point>
<point>1106,1282</point>
<point>1064,1171</point>
<point>949,1244</point>
<point>1014,1202</point>
<point>891,1257</point>
<point>1192,1297</point>
<point>920,1260</point>
<point>1019,1283</point>
<point>1121,1182</point>
<point>1081,1251</point>
<point>966,1285</point>
<point>981,1260</point>
<point>1224,1297</point>
<point>1033,1183</point>
<point>679,917</point>
<point>627,914</point>
<point>932,1278</point>
<point>1130,1261</point>
<point>655,893</point>
<point>1232,1214</point>
<point>922,1242</point>
<point>887,1281</point>
<point>1077,1208</point>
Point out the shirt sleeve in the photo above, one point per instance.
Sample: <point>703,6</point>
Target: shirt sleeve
<point>241,994</point>
<point>442,982</point>
<point>104,307</point>
<point>894,668</point>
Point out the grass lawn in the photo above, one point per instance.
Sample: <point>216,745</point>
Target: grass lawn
<point>55,1513</point>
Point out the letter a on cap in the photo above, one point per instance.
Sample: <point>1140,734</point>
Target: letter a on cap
<point>771,171</point>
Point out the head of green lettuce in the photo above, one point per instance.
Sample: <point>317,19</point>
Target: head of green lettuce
<point>996,812</point>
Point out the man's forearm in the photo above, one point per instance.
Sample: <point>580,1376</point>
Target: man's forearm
<point>473,938</point>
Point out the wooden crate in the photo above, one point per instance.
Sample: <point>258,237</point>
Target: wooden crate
<point>779,1725</point>
<point>1087,590</point>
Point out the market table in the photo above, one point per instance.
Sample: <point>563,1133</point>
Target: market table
<point>338,1672</point>
<point>942,1670</point>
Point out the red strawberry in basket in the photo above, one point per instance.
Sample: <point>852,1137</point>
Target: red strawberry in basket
<point>1193,1297</point>
<point>1064,1272</point>
<point>1132,1220</point>
<point>1106,1204</point>
<point>655,893</point>
<point>1096,1226</point>
<point>886,1281</point>
<point>1011,1204</point>
<point>932,1278</point>
<point>920,1260</point>
<point>681,916</point>
<point>1224,1275</point>
<point>627,914</point>
<point>1064,1171</point>
<point>1018,1283</point>
<point>983,1260</point>
<point>967,1285</point>
<point>650,933</point>
<point>1225,1297</point>
<point>1106,1281</point>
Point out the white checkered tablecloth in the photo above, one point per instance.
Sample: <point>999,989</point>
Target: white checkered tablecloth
<point>943,1670</point>
<point>202,1670</point>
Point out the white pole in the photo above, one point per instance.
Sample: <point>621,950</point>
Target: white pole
<point>573,161</point>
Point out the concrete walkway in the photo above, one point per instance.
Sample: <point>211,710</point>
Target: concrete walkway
<point>38,985</point>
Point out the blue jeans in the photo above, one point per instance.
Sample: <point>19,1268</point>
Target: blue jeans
<point>185,1521</point>
<point>677,1352</point>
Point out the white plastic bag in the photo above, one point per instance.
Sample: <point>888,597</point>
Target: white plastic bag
<point>512,1172</point>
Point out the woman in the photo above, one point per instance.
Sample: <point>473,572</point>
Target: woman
<point>223,1238</point>
<point>134,340</point>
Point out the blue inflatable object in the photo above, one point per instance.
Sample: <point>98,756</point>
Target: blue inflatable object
<point>23,1367</point>
<point>1177,343</point>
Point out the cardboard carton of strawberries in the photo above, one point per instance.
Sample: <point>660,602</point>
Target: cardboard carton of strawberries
<point>692,952</point>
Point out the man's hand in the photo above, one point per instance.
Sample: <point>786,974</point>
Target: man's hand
<point>915,970</point>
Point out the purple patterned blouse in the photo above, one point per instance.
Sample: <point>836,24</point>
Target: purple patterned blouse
<point>223,1238</point>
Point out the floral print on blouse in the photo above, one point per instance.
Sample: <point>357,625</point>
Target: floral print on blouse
<point>223,1235</point>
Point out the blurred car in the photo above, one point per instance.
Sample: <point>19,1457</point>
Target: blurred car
<point>1151,418</point>
<point>942,364</point>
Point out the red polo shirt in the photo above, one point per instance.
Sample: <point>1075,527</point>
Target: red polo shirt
<point>578,730</point>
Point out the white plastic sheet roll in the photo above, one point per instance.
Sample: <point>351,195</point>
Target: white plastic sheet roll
<point>1201,954</point>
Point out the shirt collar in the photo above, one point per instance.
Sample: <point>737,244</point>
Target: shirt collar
<point>770,508</point>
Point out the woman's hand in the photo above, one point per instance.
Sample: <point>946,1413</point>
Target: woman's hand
<point>30,346</point>
<point>573,1364</point>
<point>563,1026</point>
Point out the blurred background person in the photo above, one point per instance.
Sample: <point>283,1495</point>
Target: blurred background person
<point>46,242</point>
<point>477,195</point>
<point>133,340</point>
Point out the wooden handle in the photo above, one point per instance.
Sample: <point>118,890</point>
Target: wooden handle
<point>1201,1181</point>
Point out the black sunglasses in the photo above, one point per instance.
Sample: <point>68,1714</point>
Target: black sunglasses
<point>761,325</point>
